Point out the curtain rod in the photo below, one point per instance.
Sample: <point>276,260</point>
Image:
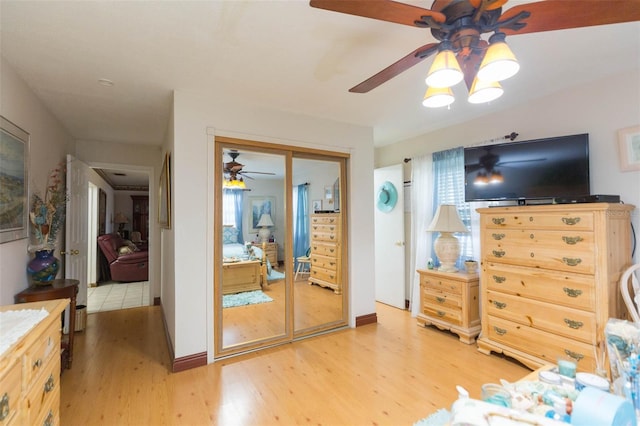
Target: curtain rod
<point>510,136</point>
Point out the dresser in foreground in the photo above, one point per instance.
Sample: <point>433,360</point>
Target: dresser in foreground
<point>30,363</point>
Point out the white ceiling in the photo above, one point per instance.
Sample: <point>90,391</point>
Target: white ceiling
<point>283,54</point>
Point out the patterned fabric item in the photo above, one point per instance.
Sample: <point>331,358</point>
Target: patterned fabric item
<point>230,235</point>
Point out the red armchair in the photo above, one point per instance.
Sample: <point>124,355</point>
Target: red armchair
<point>124,265</point>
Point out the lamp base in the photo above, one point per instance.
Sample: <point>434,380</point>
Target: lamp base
<point>447,249</point>
<point>264,234</point>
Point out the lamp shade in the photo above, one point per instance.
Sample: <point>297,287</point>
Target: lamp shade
<point>445,70</point>
<point>446,220</point>
<point>265,220</point>
<point>499,63</point>
<point>438,97</point>
<point>484,91</point>
<point>121,218</point>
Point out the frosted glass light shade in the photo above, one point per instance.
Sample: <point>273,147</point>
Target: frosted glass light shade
<point>484,91</point>
<point>499,63</point>
<point>265,220</point>
<point>438,97</point>
<point>445,70</point>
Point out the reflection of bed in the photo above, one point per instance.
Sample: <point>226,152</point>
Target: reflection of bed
<point>243,271</point>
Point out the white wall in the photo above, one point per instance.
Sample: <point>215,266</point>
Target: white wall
<point>49,141</point>
<point>193,197</point>
<point>599,108</point>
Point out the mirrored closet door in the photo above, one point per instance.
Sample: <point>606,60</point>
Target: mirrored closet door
<point>280,253</point>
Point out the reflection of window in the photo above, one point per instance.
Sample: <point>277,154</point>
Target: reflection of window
<point>228,209</point>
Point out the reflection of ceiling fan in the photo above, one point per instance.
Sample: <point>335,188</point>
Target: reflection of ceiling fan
<point>459,25</point>
<point>487,167</point>
<point>234,170</point>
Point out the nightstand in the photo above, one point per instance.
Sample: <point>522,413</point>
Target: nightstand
<point>449,300</point>
<point>271,250</point>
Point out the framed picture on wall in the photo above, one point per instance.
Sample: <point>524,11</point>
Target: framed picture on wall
<point>14,187</point>
<point>259,206</point>
<point>316,205</point>
<point>629,148</point>
<point>164,196</point>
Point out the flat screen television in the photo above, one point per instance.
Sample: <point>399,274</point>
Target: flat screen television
<point>540,169</point>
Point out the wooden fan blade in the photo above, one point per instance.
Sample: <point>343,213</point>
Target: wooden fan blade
<point>396,68</point>
<point>552,15</point>
<point>384,10</point>
<point>487,4</point>
<point>257,173</point>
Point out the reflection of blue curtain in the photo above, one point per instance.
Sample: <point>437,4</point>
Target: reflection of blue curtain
<point>301,222</point>
<point>237,198</point>
<point>448,188</point>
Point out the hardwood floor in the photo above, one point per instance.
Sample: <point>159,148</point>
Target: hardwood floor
<point>389,373</point>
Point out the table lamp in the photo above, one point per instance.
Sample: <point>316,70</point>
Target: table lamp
<point>121,220</point>
<point>264,223</point>
<point>446,246</point>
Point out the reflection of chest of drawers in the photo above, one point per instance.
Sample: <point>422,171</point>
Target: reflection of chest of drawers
<point>30,370</point>
<point>549,279</point>
<point>326,254</point>
<point>450,302</point>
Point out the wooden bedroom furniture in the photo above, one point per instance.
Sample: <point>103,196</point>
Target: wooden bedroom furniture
<point>271,251</point>
<point>59,289</point>
<point>450,302</point>
<point>326,237</point>
<point>30,370</point>
<point>241,276</point>
<point>550,279</point>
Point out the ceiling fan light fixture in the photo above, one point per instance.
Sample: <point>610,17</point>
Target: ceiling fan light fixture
<point>484,91</point>
<point>481,179</point>
<point>445,70</point>
<point>496,177</point>
<point>237,184</point>
<point>499,62</point>
<point>438,97</point>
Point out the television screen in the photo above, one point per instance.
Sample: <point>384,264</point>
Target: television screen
<point>529,170</point>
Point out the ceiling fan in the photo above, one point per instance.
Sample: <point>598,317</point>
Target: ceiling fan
<point>235,171</point>
<point>460,24</point>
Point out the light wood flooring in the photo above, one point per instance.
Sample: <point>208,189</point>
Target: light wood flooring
<point>389,373</point>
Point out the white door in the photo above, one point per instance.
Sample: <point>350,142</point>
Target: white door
<point>76,236</point>
<point>389,235</point>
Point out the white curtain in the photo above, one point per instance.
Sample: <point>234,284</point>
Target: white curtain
<point>421,215</point>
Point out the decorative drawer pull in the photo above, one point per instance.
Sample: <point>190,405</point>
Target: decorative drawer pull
<point>573,324</point>
<point>499,331</point>
<point>331,250</point>
<point>573,355</point>
<point>332,228</point>
<point>499,279</point>
<point>315,227</point>
<point>332,236</point>
<point>440,313</point>
<point>332,277</point>
<point>570,220</point>
<point>498,253</point>
<point>499,305</point>
<point>49,420</point>
<point>572,240</point>
<point>570,261</point>
<point>572,292</point>
<point>4,406</point>
<point>497,237</point>
<point>532,236</point>
<point>37,363</point>
<point>331,220</point>
<point>332,263</point>
<point>49,384</point>
<point>498,220</point>
<point>441,299</point>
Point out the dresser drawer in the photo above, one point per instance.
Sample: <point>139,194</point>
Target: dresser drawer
<point>324,262</point>
<point>324,248</point>
<point>451,316</point>
<point>37,355</point>
<point>541,344</point>
<point>441,285</point>
<point>325,219</point>
<point>50,411</point>
<point>572,323</point>
<point>548,220</point>
<point>43,391</point>
<point>324,236</point>
<point>324,275</point>
<point>10,390</point>
<point>327,228</point>
<point>534,248</point>
<point>439,299</point>
<point>566,289</point>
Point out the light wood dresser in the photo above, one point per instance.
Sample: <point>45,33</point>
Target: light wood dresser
<point>549,279</point>
<point>271,251</point>
<point>450,302</point>
<point>30,370</point>
<point>326,242</point>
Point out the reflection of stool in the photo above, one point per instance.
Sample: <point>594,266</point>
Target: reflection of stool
<point>304,266</point>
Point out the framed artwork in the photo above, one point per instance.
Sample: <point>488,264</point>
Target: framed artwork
<point>328,192</point>
<point>102,212</point>
<point>164,196</point>
<point>257,207</point>
<point>316,205</point>
<point>14,188</point>
<point>629,148</point>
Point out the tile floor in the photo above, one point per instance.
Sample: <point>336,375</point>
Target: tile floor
<point>113,296</point>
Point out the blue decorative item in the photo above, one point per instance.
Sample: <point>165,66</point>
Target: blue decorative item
<point>43,268</point>
<point>387,197</point>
